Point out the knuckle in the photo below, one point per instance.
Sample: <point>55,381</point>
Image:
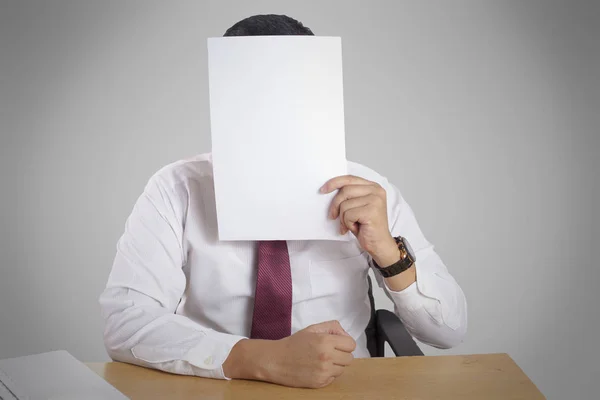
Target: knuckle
<point>374,199</point>
<point>351,343</point>
<point>343,193</point>
<point>322,342</point>
<point>323,363</point>
<point>323,356</point>
<point>342,207</point>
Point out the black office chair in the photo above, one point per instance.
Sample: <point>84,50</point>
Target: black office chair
<point>385,326</point>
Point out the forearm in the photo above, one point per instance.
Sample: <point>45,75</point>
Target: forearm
<point>420,324</point>
<point>433,309</point>
<point>139,331</point>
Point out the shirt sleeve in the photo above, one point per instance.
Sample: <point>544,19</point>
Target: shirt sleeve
<point>144,288</point>
<point>434,308</point>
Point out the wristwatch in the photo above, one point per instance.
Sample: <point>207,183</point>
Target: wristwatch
<point>407,259</point>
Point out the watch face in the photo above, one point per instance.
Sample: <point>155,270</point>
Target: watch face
<point>409,249</point>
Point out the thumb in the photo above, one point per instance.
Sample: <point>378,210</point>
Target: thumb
<point>329,327</point>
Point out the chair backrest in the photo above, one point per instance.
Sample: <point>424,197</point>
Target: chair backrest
<point>371,330</point>
<point>385,326</point>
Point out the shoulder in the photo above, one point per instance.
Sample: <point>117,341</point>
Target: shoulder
<point>183,172</point>
<point>173,183</point>
<point>171,188</point>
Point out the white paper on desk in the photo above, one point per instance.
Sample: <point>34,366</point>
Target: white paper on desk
<point>277,125</point>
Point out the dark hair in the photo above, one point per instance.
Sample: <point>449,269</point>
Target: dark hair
<point>267,25</point>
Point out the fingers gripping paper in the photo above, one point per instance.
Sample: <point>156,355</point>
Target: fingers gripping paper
<point>277,127</point>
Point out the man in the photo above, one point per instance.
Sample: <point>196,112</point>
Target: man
<point>292,313</point>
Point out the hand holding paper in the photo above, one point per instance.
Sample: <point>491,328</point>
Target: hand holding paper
<point>361,207</point>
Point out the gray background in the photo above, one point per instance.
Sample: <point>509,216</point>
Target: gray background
<point>484,113</point>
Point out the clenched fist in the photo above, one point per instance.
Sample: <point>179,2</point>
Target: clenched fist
<point>311,358</point>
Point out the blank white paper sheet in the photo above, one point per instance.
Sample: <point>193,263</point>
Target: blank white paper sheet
<point>277,128</point>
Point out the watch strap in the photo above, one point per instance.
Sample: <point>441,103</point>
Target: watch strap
<point>401,265</point>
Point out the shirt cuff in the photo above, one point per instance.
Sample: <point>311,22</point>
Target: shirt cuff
<point>210,355</point>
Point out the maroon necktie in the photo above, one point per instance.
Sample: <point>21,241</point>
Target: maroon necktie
<point>272,318</point>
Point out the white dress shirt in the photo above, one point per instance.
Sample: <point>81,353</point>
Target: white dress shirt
<point>178,299</point>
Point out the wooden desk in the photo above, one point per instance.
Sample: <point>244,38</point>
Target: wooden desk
<point>490,376</point>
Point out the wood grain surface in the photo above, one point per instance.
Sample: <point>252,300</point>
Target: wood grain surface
<point>486,376</point>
